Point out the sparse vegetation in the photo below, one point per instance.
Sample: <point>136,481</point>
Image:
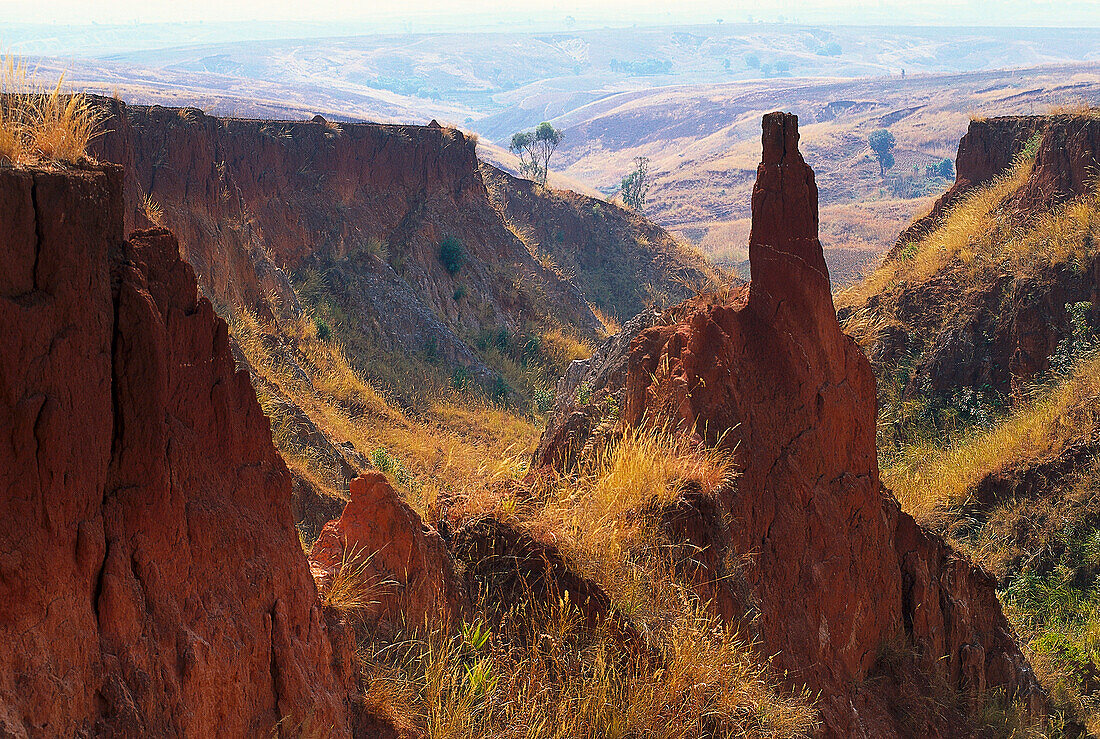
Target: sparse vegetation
<point>544,669</point>
<point>153,210</point>
<point>635,186</point>
<point>882,144</point>
<point>354,591</point>
<point>534,149</point>
<point>452,439</point>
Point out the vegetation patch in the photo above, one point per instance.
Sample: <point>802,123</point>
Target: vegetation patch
<point>40,124</point>
<point>452,254</point>
<point>542,667</point>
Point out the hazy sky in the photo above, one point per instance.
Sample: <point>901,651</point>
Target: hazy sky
<point>420,14</point>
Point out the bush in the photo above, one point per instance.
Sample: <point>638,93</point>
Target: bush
<point>461,378</point>
<point>324,333</point>
<point>452,254</point>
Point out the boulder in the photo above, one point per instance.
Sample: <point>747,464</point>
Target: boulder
<point>403,561</point>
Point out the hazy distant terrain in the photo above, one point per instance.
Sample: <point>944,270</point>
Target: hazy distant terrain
<point>690,98</point>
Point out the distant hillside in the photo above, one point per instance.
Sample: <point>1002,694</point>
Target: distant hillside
<point>701,142</point>
<point>695,123</point>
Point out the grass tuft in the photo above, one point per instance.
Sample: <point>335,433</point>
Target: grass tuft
<point>40,124</point>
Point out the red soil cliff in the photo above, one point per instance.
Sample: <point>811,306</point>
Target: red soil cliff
<point>966,327</point>
<point>254,203</point>
<point>1065,163</point>
<point>151,579</point>
<point>840,576</point>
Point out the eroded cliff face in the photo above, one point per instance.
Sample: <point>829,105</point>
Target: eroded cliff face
<point>838,573</point>
<point>985,328</point>
<point>986,151</point>
<point>367,205</point>
<point>151,579</point>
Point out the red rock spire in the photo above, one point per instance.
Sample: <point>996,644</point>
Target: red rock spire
<point>785,256</point>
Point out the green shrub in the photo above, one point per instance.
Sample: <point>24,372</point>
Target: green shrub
<point>324,333</point>
<point>461,378</point>
<point>543,395</point>
<point>452,254</point>
<point>460,293</point>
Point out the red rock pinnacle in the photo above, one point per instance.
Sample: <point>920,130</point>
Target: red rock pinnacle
<point>785,256</point>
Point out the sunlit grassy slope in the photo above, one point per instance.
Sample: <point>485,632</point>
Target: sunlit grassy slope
<point>928,292</point>
<point>452,440</point>
<point>1013,485</point>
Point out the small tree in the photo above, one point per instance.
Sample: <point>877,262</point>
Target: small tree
<point>947,169</point>
<point>882,144</point>
<point>635,187</point>
<point>452,254</point>
<point>534,149</point>
<point>523,146</point>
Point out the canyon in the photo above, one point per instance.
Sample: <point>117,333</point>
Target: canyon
<point>153,581</point>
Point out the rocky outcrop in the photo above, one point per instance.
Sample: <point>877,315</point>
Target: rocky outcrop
<point>1064,164</point>
<point>988,329</point>
<point>838,571</point>
<point>151,579</point>
<point>404,561</point>
<point>586,395</point>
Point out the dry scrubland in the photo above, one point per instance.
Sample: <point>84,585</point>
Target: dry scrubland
<point>542,668</point>
<point>537,667</point>
<point>1042,544</point>
<point>688,98</point>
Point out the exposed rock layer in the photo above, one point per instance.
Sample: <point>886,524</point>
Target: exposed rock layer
<point>151,581</point>
<point>838,571</point>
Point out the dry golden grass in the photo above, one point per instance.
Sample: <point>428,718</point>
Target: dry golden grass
<point>929,479</point>
<point>40,124</point>
<point>561,680</point>
<point>545,673</point>
<point>354,591</point>
<point>611,325</point>
<point>152,209</point>
<point>454,442</point>
<point>974,234</point>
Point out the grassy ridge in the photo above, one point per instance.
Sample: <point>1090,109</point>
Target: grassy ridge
<point>541,671</point>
